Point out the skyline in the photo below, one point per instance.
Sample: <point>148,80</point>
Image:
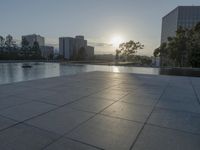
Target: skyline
<point>99,21</point>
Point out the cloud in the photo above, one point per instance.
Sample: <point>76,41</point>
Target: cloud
<point>97,44</point>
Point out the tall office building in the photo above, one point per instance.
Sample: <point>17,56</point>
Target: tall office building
<point>79,43</point>
<point>66,47</point>
<point>47,51</point>
<point>184,16</point>
<point>89,52</point>
<point>34,38</point>
<point>69,47</point>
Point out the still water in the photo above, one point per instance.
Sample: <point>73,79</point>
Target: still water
<point>14,72</point>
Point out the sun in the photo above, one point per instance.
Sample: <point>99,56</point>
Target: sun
<point>116,41</point>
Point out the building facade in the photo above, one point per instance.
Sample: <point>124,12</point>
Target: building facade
<point>184,16</point>
<point>80,42</point>
<point>66,47</point>
<point>69,47</point>
<point>34,38</point>
<point>47,52</point>
<point>89,52</point>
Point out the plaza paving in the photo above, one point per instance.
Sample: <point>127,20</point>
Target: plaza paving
<point>100,110</point>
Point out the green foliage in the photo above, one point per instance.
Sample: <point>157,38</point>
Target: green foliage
<point>8,48</point>
<point>35,51</point>
<point>194,47</point>
<point>2,41</point>
<point>9,42</point>
<point>183,50</point>
<point>142,60</point>
<point>127,50</point>
<point>25,49</point>
<point>156,52</point>
<point>10,51</point>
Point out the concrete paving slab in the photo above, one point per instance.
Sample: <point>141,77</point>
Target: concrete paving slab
<point>197,90</point>
<point>35,94</point>
<point>61,120</point>
<point>91,104</point>
<point>178,97</point>
<point>141,98</point>
<point>5,123</point>
<point>60,99</point>
<point>126,87</point>
<point>66,144</point>
<point>11,101</point>
<point>23,137</point>
<point>26,111</point>
<point>129,111</point>
<point>11,89</point>
<point>179,120</point>
<point>179,94</point>
<point>74,90</point>
<point>150,90</point>
<point>112,95</point>
<point>59,106</point>
<point>107,133</point>
<point>155,138</point>
<point>179,105</point>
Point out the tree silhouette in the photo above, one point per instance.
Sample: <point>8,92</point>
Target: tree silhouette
<point>2,40</point>
<point>183,50</point>
<point>35,50</point>
<point>25,49</point>
<point>128,50</point>
<point>9,42</point>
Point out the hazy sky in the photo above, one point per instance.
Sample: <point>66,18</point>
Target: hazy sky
<point>98,20</point>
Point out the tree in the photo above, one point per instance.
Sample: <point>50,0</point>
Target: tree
<point>25,49</point>
<point>142,60</point>
<point>9,42</point>
<point>35,50</point>
<point>194,56</point>
<point>117,57</point>
<point>1,47</point>
<point>2,40</point>
<point>194,46</point>
<point>162,52</point>
<point>128,50</point>
<point>11,49</point>
<point>177,51</point>
<point>183,50</point>
<point>178,47</point>
<point>156,52</point>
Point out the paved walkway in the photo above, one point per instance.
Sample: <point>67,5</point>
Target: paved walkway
<point>101,110</point>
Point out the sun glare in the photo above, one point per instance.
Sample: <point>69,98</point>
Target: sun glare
<point>116,41</point>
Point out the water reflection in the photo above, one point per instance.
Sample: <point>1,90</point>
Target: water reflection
<point>115,69</point>
<point>13,72</point>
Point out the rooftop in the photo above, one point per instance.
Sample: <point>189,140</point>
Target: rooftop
<point>100,110</point>
<point>180,8</point>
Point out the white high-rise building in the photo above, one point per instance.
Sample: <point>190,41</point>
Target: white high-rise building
<point>69,47</point>
<point>47,51</point>
<point>184,16</point>
<point>80,42</point>
<point>66,47</point>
